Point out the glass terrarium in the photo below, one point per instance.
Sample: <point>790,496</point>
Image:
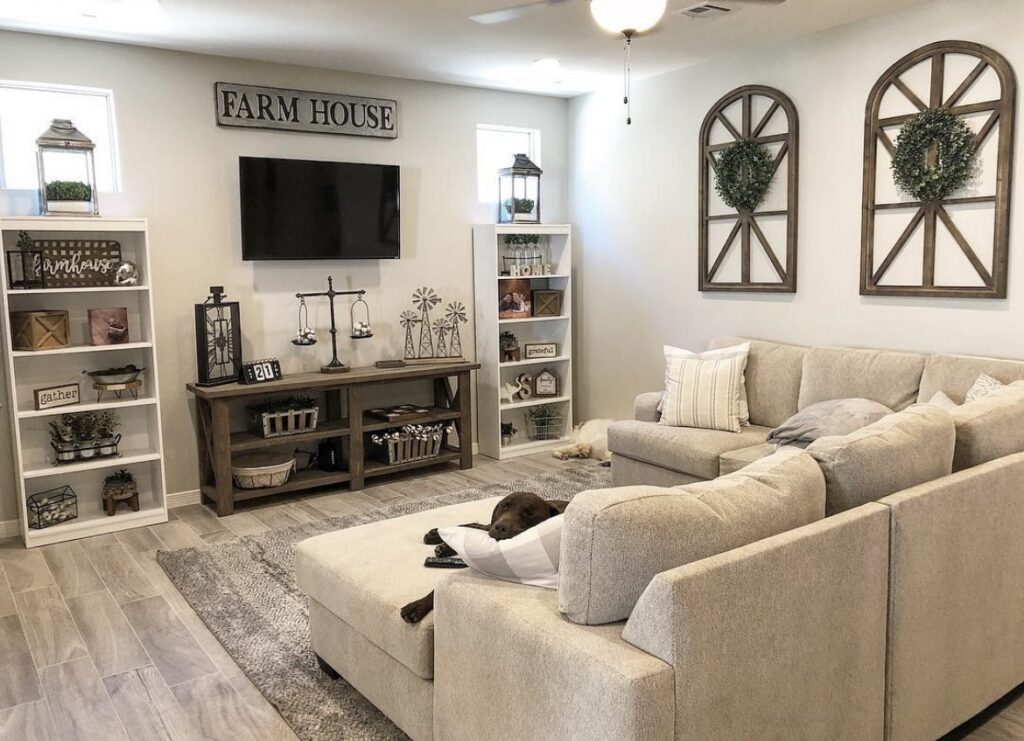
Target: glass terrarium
<point>52,507</point>
<point>519,192</point>
<point>67,171</point>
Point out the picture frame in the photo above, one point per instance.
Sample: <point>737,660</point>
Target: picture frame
<point>547,302</point>
<point>514,299</point>
<point>109,326</point>
<point>547,384</point>
<point>53,397</point>
<point>541,350</point>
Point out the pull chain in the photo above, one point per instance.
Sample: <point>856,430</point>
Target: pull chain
<point>627,70</point>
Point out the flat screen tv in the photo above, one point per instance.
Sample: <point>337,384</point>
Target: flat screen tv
<point>305,210</point>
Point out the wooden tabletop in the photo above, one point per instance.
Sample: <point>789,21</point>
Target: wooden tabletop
<point>324,381</point>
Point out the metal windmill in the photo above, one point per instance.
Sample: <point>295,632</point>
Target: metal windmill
<point>441,328</point>
<point>455,313</point>
<point>425,299</point>
<point>409,319</point>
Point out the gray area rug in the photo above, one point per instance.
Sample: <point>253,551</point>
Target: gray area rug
<point>245,592</point>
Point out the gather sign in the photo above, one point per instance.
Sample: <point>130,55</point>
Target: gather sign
<point>254,107</point>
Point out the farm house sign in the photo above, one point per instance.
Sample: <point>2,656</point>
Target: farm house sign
<point>254,107</point>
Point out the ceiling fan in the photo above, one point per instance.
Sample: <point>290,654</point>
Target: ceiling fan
<point>514,12</point>
<point>626,17</point>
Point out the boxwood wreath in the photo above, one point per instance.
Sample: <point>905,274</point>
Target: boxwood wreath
<point>743,174</point>
<point>929,179</point>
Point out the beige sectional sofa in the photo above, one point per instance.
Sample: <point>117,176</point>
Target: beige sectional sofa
<point>731,608</point>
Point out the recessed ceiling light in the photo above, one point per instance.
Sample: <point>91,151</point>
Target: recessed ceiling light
<point>546,64</point>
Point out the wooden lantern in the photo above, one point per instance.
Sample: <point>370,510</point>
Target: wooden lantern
<point>40,330</point>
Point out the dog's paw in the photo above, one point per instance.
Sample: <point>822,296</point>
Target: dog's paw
<point>561,455</point>
<point>445,551</point>
<point>414,612</point>
<point>432,538</point>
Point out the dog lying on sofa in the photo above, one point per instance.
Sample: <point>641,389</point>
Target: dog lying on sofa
<point>514,514</point>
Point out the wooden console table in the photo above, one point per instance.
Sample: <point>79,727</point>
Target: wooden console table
<point>217,443</point>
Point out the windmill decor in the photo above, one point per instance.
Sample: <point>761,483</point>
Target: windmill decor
<point>935,225</point>
<point>440,339</point>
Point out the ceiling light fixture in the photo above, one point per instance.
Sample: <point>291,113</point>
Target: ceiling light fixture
<point>546,64</point>
<point>628,17</point>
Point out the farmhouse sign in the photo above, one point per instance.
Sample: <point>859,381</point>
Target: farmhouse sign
<point>78,263</point>
<point>253,107</point>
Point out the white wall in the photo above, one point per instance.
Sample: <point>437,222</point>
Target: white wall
<point>180,170</point>
<point>633,199</point>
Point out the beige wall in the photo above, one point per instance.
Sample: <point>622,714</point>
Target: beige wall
<point>633,199</point>
<point>180,171</point>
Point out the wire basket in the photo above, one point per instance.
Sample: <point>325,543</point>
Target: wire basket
<point>521,261</point>
<point>547,426</point>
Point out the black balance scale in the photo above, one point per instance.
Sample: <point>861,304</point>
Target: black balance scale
<point>306,336</point>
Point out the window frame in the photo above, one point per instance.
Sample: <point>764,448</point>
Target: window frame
<point>106,93</point>
<point>535,146</point>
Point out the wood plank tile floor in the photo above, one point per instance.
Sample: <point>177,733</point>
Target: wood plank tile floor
<point>97,644</point>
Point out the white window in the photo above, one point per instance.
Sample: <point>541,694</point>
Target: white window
<point>496,147</point>
<point>26,111</point>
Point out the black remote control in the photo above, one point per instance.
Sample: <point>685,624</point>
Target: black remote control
<point>448,562</point>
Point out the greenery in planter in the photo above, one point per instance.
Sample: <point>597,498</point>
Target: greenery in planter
<point>24,241</point>
<point>508,340</point>
<point>285,404</point>
<point>60,430</point>
<point>122,480</point>
<point>84,426</point>
<point>934,156</point>
<point>522,205</point>
<point>107,424</point>
<point>68,190</point>
<point>744,174</point>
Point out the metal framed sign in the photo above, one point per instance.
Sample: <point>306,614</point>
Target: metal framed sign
<point>255,107</point>
<point>53,397</point>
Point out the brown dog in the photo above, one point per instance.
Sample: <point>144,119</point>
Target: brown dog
<point>515,513</point>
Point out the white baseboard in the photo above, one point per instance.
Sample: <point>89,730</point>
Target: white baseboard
<point>10,528</point>
<point>178,499</point>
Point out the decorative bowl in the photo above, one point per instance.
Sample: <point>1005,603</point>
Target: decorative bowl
<point>111,376</point>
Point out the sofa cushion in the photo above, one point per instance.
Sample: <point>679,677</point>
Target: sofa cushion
<point>734,460</point>
<point>899,451</point>
<point>989,428</point>
<point>686,449</point>
<point>743,349</point>
<point>890,378</point>
<point>955,374</point>
<point>703,393</point>
<point>366,574</point>
<point>772,378</point>
<point>835,417</point>
<point>616,540</point>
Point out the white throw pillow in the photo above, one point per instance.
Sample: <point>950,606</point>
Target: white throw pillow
<point>529,558</point>
<point>982,387</point>
<point>704,393</point>
<point>720,354</point>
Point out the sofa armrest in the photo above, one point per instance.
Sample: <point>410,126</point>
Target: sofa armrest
<point>645,408</point>
<point>615,541</point>
<point>783,638</point>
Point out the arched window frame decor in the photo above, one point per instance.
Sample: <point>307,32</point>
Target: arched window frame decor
<point>746,229</point>
<point>1002,111</point>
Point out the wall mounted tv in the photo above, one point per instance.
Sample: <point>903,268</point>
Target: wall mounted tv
<point>305,210</point>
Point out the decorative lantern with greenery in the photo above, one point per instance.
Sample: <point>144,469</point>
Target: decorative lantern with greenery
<point>25,265</point>
<point>67,171</point>
<point>519,192</point>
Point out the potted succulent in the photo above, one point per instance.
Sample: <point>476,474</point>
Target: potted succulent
<point>521,209</point>
<point>118,487</point>
<point>106,432</point>
<point>508,431</point>
<point>84,428</point>
<point>62,438</point>
<point>509,347</point>
<point>69,196</point>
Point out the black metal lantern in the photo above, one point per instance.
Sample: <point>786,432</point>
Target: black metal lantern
<point>519,192</point>
<point>24,265</point>
<point>218,340</point>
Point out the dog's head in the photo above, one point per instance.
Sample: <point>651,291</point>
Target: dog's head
<point>520,511</point>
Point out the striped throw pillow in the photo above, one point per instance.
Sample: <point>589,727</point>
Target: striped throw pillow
<point>704,393</point>
<point>529,558</point>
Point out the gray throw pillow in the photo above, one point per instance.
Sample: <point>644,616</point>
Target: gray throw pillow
<point>827,418</point>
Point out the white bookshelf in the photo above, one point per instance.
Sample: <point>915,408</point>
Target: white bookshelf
<point>488,249</point>
<point>141,446</point>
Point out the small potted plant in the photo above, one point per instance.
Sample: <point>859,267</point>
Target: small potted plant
<point>509,347</point>
<point>69,196</point>
<point>62,438</point>
<point>84,428</point>
<point>280,417</point>
<point>520,208</point>
<point>107,423</point>
<point>120,487</point>
<point>508,431</point>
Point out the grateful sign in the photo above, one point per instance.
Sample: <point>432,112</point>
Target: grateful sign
<point>78,263</point>
<point>254,107</point>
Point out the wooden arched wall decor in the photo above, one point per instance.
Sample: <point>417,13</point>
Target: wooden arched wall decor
<point>964,239</point>
<point>743,251</point>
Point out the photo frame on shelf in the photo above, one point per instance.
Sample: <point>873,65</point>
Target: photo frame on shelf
<point>109,326</point>
<point>514,299</point>
<point>541,350</point>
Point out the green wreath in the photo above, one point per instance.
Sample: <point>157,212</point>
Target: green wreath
<point>743,174</point>
<point>927,177</point>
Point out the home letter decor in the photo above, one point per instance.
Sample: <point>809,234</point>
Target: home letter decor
<point>944,117</point>
<point>745,190</point>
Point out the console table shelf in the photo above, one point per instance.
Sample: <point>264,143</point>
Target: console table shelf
<point>217,443</point>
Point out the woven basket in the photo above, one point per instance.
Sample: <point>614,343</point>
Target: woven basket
<point>262,471</point>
